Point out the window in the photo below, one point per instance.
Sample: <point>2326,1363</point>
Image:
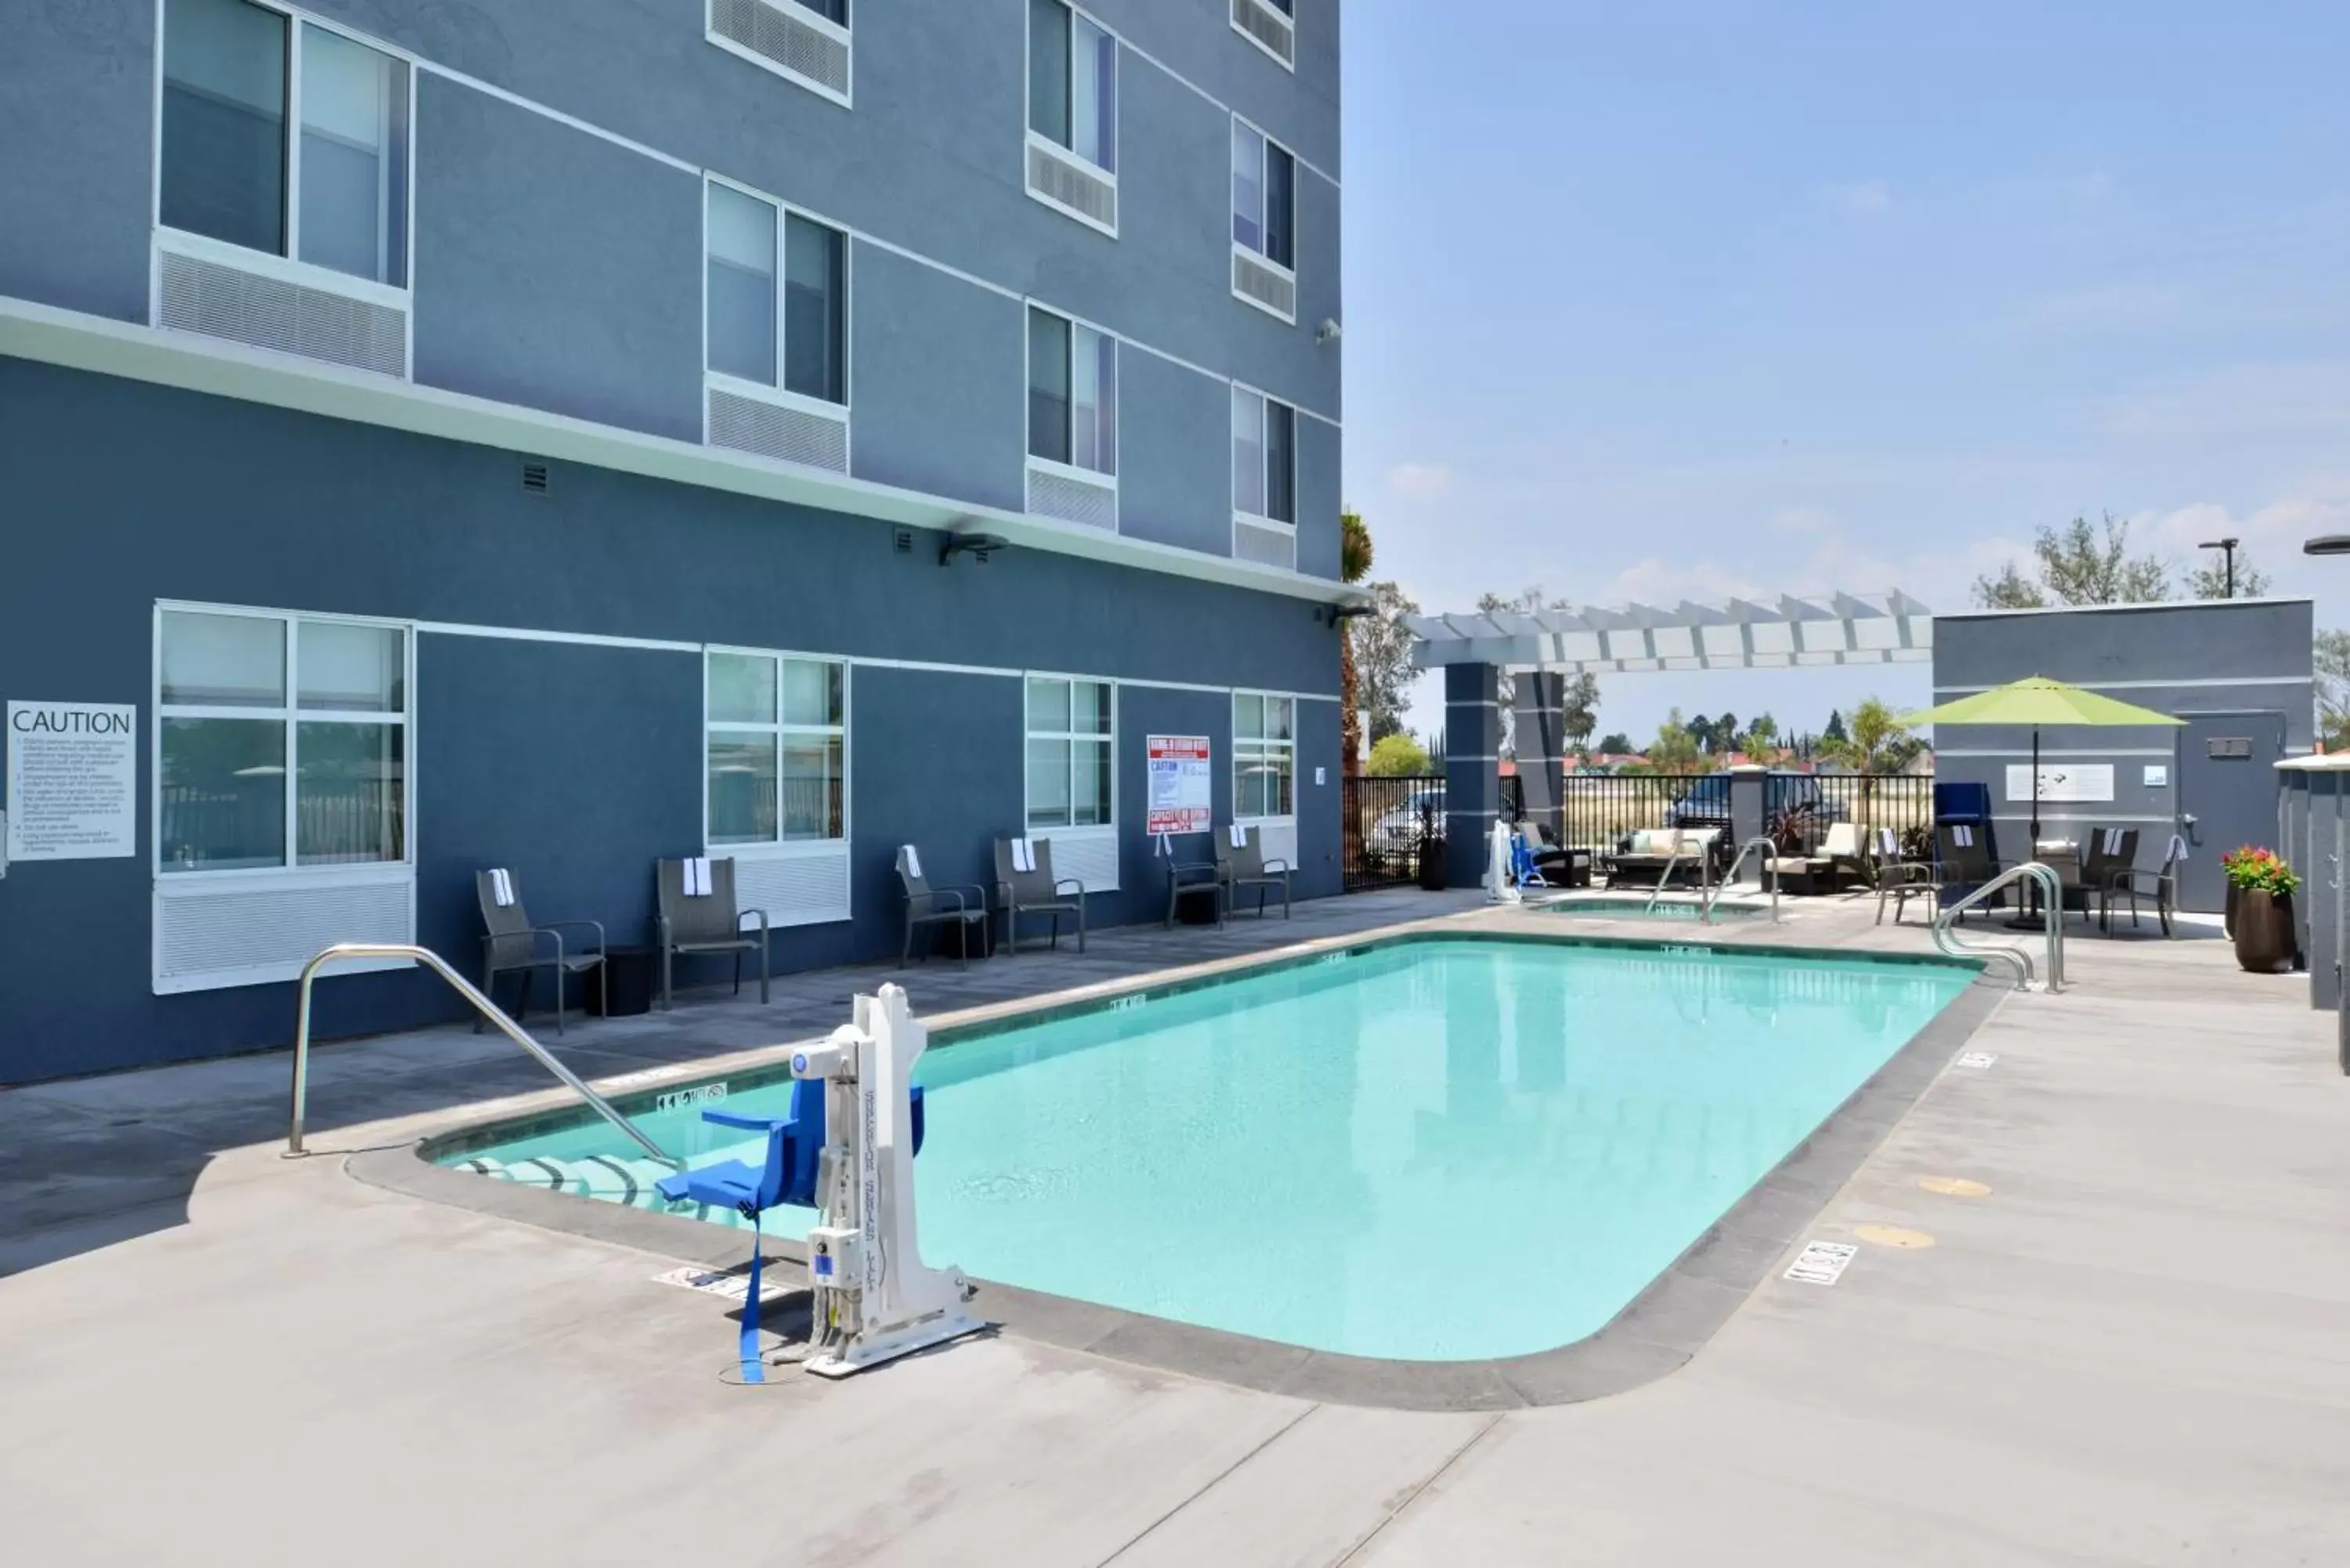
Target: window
<point>1271,25</point>
<point>281,741</point>
<point>1264,458</point>
<point>1070,726</point>
<point>754,329</point>
<point>776,749</point>
<point>1071,393</point>
<point>1264,756</point>
<point>806,42</point>
<point>1073,83</point>
<point>1264,196</point>
<point>236,75</point>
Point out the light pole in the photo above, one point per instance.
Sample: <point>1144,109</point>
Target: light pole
<point>2229,545</point>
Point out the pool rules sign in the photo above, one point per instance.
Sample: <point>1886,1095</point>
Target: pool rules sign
<point>73,781</point>
<point>1182,792</point>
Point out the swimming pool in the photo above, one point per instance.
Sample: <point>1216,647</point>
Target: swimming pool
<point>1631,908</point>
<point>1426,1150</point>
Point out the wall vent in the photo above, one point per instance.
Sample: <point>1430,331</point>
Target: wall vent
<point>265,311</point>
<point>778,430</point>
<point>1069,183</point>
<point>534,478</point>
<point>802,890</point>
<point>1269,27</point>
<point>209,935</point>
<point>1073,500</point>
<point>1263,283</point>
<point>789,38</point>
<point>904,541</point>
<point>1267,545</point>
<point>1087,854</point>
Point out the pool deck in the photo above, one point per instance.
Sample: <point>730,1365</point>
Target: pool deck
<point>2129,1349</point>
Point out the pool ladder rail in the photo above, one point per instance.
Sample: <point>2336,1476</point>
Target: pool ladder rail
<point>1708,890</point>
<point>482,1004</point>
<point>2052,904</point>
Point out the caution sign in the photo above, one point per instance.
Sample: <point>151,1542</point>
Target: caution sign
<point>73,781</point>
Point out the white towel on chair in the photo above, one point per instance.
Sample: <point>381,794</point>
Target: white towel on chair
<point>502,888</point>
<point>2114,840</point>
<point>2178,850</point>
<point>1238,836</point>
<point>1024,855</point>
<point>913,861</point>
<point>1166,849</point>
<point>1963,836</point>
<point>1888,844</point>
<point>697,877</point>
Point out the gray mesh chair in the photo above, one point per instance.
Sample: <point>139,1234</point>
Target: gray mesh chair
<point>964,907</point>
<point>695,925</point>
<point>1036,892</point>
<point>1898,877</point>
<point>1244,865</point>
<point>511,945</point>
<point>2127,881</point>
<point>2112,852</point>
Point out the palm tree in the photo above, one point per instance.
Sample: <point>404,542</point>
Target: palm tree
<point>1354,566</point>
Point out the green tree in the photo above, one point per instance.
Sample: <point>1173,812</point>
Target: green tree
<point>1878,743</point>
<point>1382,645</point>
<point>1395,756</point>
<point>2333,654</point>
<point>1580,713</point>
<point>1354,556</point>
<point>2209,579</point>
<point>2079,565</point>
<point>1615,744</point>
<point>1834,734</point>
<point>1726,733</point>
<point>1675,749</point>
<point>1762,734</point>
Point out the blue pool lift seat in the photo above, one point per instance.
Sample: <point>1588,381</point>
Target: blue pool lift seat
<point>787,1176</point>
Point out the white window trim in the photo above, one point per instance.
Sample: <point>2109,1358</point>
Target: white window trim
<point>780,848</point>
<point>1070,155</point>
<point>286,267</point>
<point>1265,195</point>
<point>1240,515</point>
<point>1289,746</point>
<point>1258,43</point>
<point>844,36</point>
<point>780,395</point>
<point>1108,743</point>
<point>1092,476</point>
<point>291,714</point>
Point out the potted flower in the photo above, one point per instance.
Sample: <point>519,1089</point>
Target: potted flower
<point>2261,886</point>
<point>2227,871</point>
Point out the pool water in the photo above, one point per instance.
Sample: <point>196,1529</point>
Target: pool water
<point>1429,1150</point>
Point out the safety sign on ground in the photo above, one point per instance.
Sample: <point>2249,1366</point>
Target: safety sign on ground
<point>73,781</point>
<point>1182,790</point>
<point>1822,1262</point>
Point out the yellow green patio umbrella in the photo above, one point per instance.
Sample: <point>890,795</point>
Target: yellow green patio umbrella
<point>2038,700</point>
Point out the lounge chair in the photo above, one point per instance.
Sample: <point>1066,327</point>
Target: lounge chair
<point>1847,858</point>
<point>1241,863</point>
<point>1555,863</point>
<point>962,907</point>
<point>2126,881</point>
<point>1034,890</point>
<point>510,943</point>
<point>701,920</point>
<point>1898,877</point>
<point>1644,858</point>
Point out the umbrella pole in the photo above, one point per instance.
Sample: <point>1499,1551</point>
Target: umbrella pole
<point>2023,899</point>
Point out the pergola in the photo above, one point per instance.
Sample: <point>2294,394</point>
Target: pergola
<point>1788,632</point>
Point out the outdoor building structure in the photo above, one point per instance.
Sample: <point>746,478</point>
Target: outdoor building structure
<point>556,434</point>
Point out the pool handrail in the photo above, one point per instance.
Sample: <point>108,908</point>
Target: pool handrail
<point>2052,887</point>
<point>1769,873</point>
<point>465,988</point>
<point>1664,878</point>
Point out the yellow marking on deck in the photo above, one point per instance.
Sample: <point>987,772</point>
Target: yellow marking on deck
<point>1954,1187</point>
<point>1893,1236</point>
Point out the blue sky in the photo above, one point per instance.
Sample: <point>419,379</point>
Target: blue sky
<point>1648,302</point>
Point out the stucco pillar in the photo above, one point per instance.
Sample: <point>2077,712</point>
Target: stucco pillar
<point>1472,768</point>
<point>1540,703</point>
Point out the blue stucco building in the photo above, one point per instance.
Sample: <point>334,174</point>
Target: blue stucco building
<point>526,433</point>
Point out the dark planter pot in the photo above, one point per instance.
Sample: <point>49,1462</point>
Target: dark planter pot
<point>2228,919</point>
<point>1432,878</point>
<point>2264,934</point>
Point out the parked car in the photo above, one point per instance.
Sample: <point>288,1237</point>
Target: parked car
<point>1708,799</point>
<point>1398,832</point>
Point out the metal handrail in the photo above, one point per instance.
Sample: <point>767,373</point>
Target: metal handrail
<point>2051,887</point>
<point>465,988</point>
<point>1665,879</point>
<point>1770,874</point>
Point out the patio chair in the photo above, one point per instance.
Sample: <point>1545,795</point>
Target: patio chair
<point>1025,885</point>
<point>697,918</point>
<point>1898,878</point>
<point>962,907</point>
<point>1556,865</point>
<point>2112,851</point>
<point>1241,863</point>
<point>1963,862</point>
<point>1191,879</point>
<point>510,943</point>
<point>2126,881</point>
<point>1847,857</point>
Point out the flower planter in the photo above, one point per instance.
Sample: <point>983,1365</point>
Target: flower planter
<point>2228,919</point>
<point>1432,876</point>
<point>2263,933</point>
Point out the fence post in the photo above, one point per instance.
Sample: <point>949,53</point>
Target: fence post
<point>1746,803</point>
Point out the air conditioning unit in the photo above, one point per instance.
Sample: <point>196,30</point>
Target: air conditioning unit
<point>1266,283</point>
<point>266,302</point>
<point>1073,496</point>
<point>1065,181</point>
<point>784,432</point>
<point>789,38</point>
<point>1268,29</point>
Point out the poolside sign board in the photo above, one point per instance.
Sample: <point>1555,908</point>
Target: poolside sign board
<point>1182,788</point>
<point>1822,1262</point>
<point>73,781</point>
<point>2061,783</point>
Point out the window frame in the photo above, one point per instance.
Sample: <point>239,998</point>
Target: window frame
<point>1261,748</point>
<point>1043,143</point>
<point>780,847</point>
<point>1257,44</point>
<point>779,394</point>
<point>293,716</point>
<point>842,33</point>
<point>286,265</point>
<point>1264,196</point>
<point>1266,402</point>
<point>1097,477</point>
<point>1108,743</point>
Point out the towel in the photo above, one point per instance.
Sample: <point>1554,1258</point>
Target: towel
<point>1240,835</point>
<point>913,861</point>
<point>697,877</point>
<point>1963,836</point>
<point>502,888</point>
<point>2178,850</point>
<point>2114,840</point>
<point>1166,849</point>
<point>1887,844</point>
<point>1024,855</point>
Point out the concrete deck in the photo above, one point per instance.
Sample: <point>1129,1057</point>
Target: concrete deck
<point>2129,1350</point>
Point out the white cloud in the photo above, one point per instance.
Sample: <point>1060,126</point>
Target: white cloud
<point>1864,198</point>
<point>1420,480</point>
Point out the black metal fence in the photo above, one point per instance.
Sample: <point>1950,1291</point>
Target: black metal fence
<point>1597,810</point>
<point>1385,823</point>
